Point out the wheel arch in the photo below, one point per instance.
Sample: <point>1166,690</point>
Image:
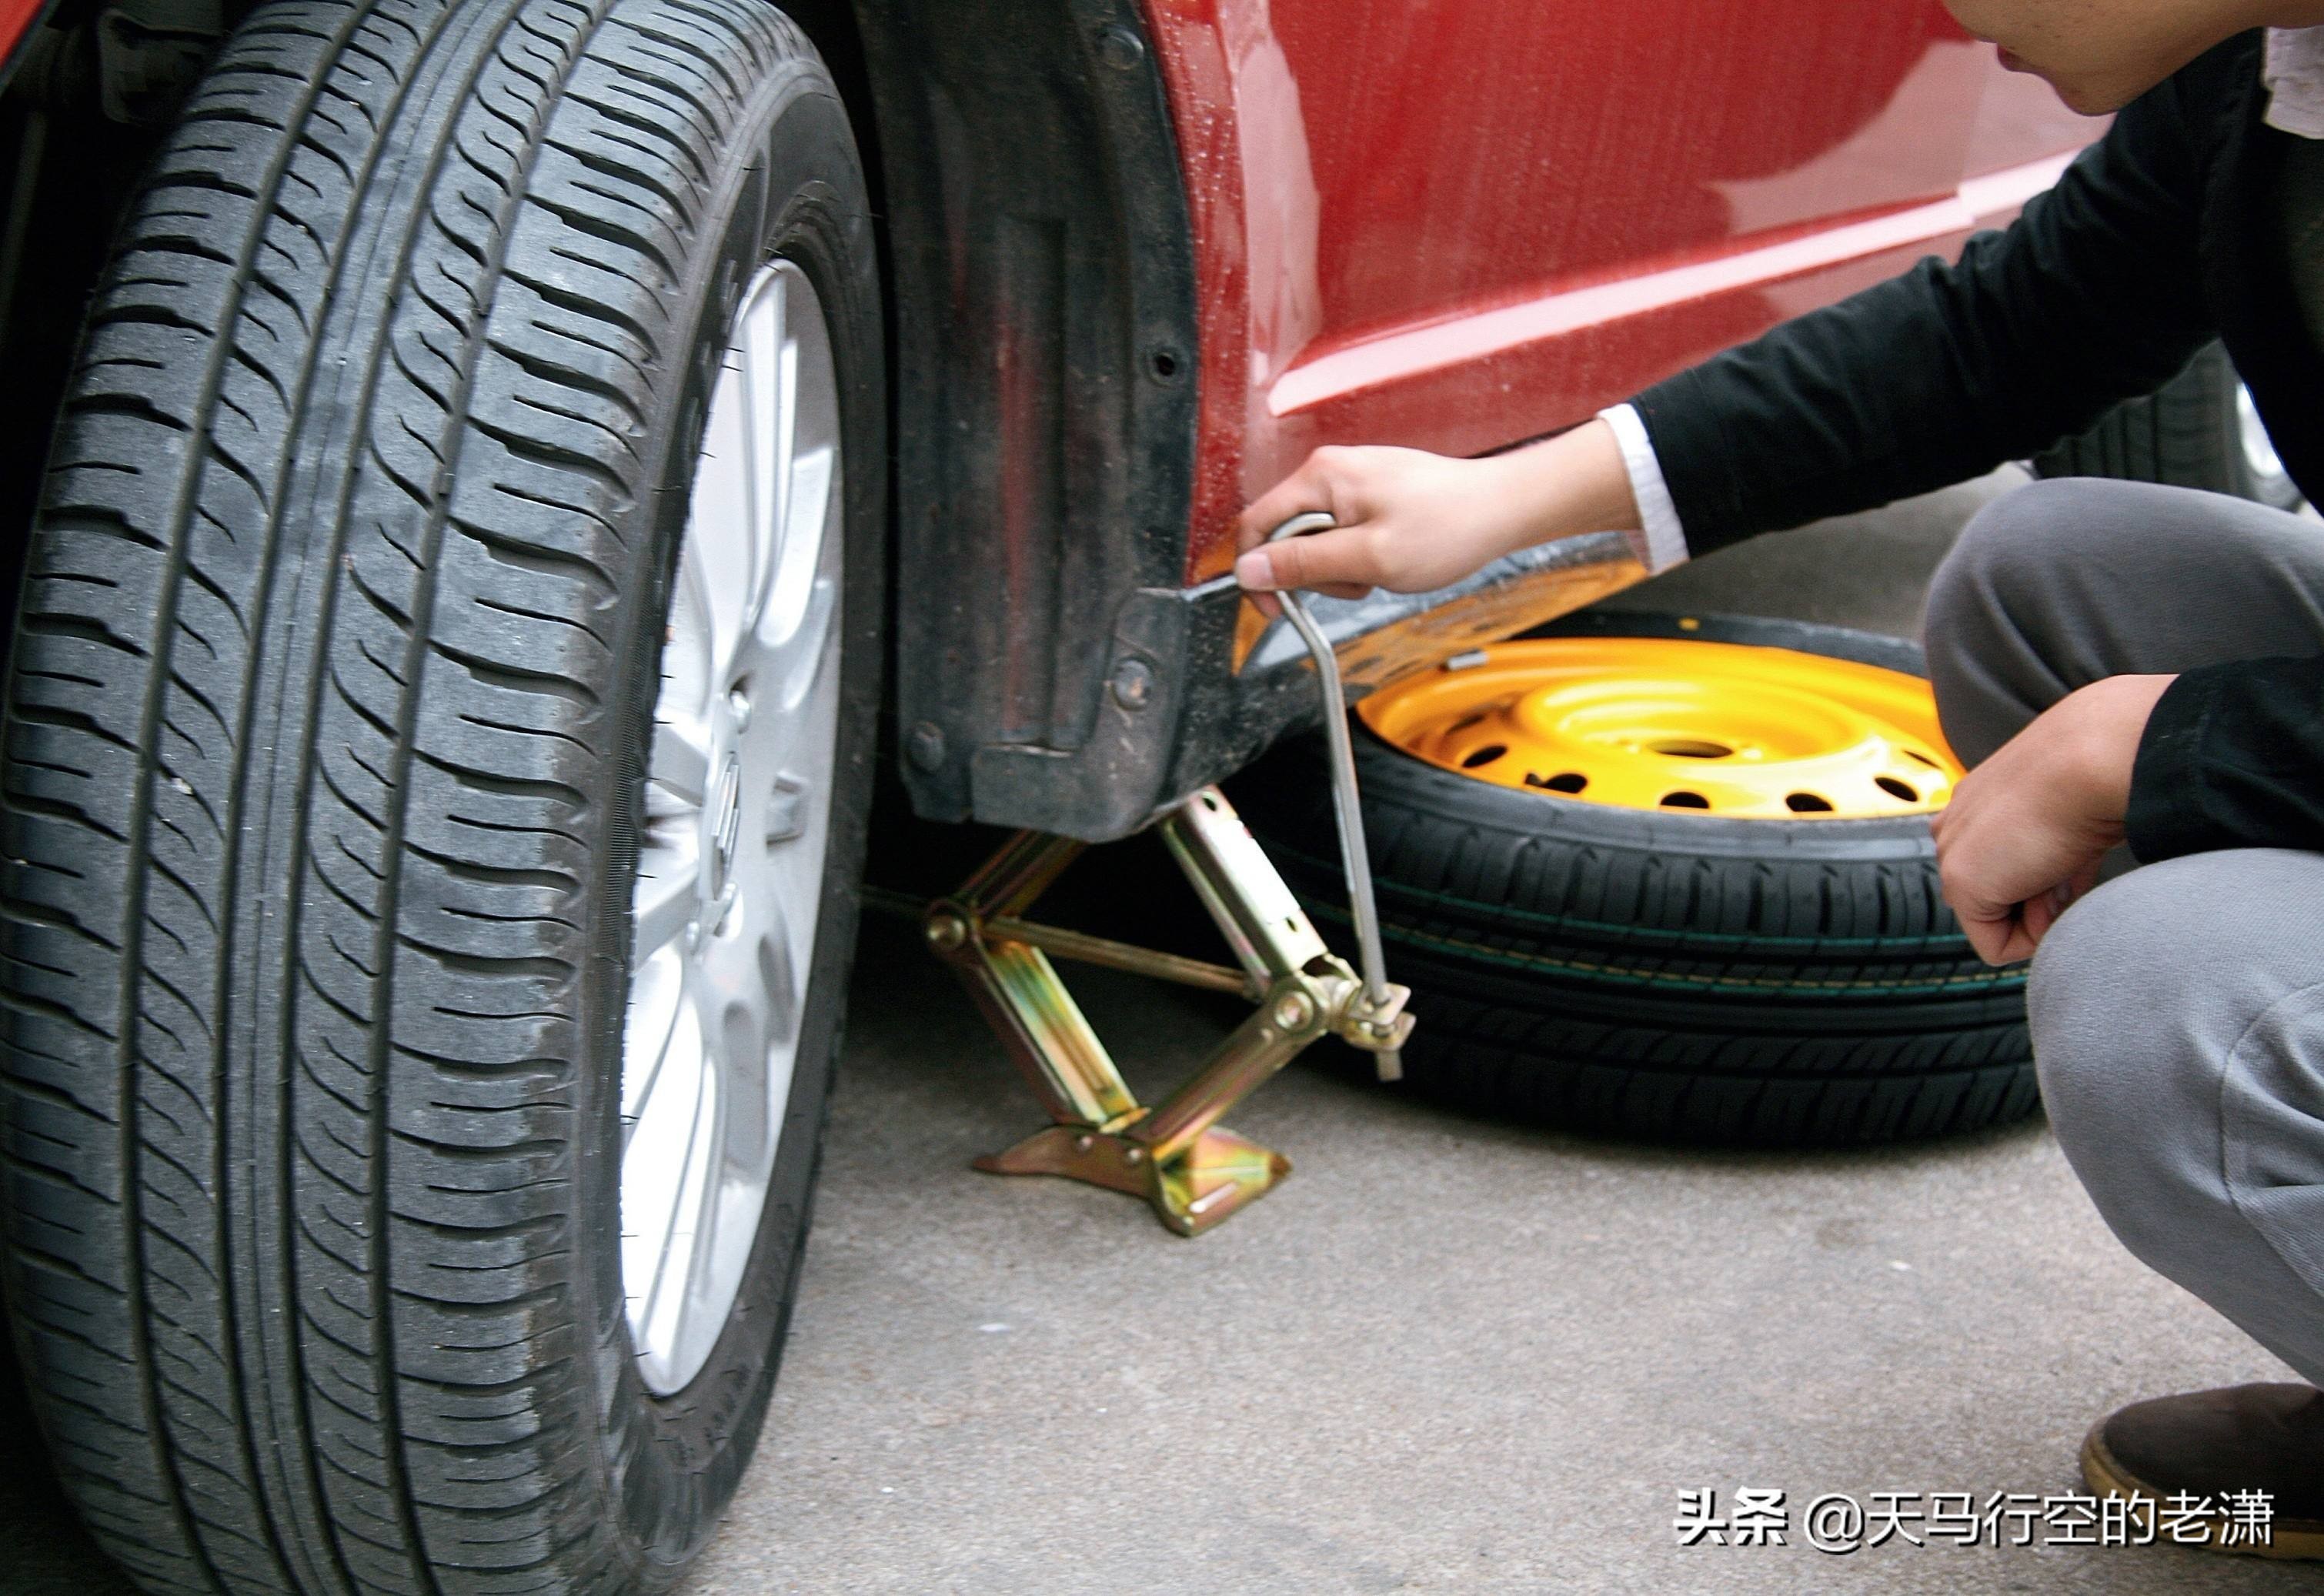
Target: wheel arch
<point>1041,268</point>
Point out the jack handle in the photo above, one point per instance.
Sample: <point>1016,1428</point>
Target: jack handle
<point>1376,1028</point>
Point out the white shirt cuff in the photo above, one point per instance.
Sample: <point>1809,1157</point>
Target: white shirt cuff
<point>1663,543</point>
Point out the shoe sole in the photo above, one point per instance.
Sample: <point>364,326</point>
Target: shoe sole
<point>2292,1540</point>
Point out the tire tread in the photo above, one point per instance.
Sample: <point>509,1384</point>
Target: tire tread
<point>408,233</point>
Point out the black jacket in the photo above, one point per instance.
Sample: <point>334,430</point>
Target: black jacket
<point>2159,238</point>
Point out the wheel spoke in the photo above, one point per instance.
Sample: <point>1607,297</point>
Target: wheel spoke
<point>664,906</point>
<point>676,1234</point>
<point>778,961</point>
<point>807,546</point>
<point>794,665</point>
<point>711,632</point>
<point>687,636</point>
<point>654,1160</point>
<point>718,532</point>
<point>769,388</point>
<point>701,1193</point>
<point>809,508</point>
<point>680,763</point>
<point>810,467</point>
<point>656,1013</point>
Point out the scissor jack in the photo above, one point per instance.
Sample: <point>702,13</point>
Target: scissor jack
<point>1175,1154</point>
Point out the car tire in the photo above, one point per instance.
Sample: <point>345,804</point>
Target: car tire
<point>2198,431</point>
<point>342,788</point>
<point>1662,974</point>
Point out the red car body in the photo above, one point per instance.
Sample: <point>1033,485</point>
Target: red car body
<point>1458,225</point>
<point>17,16</point>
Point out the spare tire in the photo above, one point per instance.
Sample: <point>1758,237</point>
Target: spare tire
<point>1672,972</point>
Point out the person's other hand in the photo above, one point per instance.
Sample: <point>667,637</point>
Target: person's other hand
<point>2024,833</point>
<point>1410,520</point>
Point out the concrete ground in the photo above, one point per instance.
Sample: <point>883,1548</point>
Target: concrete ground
<point>1447,1355</point>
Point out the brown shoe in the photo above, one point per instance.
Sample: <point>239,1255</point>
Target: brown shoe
<point>2173,1453</point>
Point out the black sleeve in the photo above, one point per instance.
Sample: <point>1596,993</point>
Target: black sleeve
<point>2233,758</point>
<point>2092,296</point>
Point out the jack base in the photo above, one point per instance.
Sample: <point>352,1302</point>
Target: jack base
<point>1221,1174</point>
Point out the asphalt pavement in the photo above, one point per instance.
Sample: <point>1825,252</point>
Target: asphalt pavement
<point>1447,1355</point>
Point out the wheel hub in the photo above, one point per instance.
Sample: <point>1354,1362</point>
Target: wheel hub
<point>1657,724</point>
<point>730,881</point>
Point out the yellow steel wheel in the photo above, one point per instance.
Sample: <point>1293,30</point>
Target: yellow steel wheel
<point>1642,723</point>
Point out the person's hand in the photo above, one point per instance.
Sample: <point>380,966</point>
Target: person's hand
<point>2022,834</point>
<point>1410,520</point>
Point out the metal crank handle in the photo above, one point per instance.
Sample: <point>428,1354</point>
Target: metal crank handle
<point>1381,1007</point>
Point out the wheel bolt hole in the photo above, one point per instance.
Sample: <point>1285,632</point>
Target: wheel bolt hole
<point>1807,803</point>
<point>1568,781</point>
<point>1895,788</point>
<point>1484,756</point>
<point>1685,800</point>
<point>1692,748</point>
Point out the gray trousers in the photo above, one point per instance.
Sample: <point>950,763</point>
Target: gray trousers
<point>2178,1010</point>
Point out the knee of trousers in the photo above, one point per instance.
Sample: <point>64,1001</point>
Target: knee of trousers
<point>2133,1020</point>
<point>2007,547</point>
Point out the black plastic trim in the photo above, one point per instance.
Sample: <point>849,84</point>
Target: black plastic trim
<point>1045,355</point>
